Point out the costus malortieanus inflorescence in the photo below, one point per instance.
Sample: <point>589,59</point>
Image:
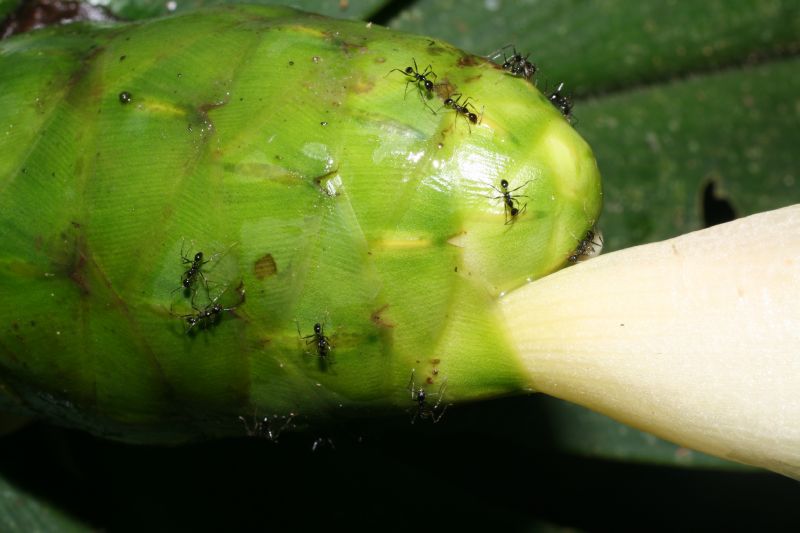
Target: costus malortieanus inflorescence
<point>221,222</point>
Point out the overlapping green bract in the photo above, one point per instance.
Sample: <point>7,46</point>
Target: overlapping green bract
<point>322,186</point>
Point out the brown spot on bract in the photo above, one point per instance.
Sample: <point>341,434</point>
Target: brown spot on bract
<point>265,267</point>
<point>73,259</point>
<point>435,48</point>
<point>468,61</point>
<point>78,272</point>
<point>444,89</point>
<point>378,320</point>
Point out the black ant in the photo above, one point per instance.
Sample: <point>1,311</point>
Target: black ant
<point>561,101</point>
<point>425,410</point>
<point>209,315</point>
<point>586,247</point>
<point>420,80</point>
<point>510,201</point>
<point>193,273</point>
<point>265,428</point>
<point>463,110</point>
<point>319,339</point>
<point>516,64</point>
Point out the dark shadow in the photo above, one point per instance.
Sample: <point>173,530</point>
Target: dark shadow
<point>484,466</point>
<point>716,209</point>
<point>385,14</point>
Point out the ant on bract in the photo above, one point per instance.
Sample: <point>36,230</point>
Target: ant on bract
<point>265,428</point>
<point>510,201</point>
<point>453,102</point>
<point>516,64</point>
<point>425,410</point>
<point>561,101</point>
<point>210,315</point>
<point>195,274</point>
<point>424,85</point>
<point>586,247</point>
<point>321,343</point>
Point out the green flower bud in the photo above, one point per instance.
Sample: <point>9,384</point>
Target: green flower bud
<point>331,174</point>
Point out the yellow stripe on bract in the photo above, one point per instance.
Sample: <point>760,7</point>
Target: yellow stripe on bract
<point>162,107</point>
<point>316,32</point>
<point>560,144</point>
<point>402,242</point>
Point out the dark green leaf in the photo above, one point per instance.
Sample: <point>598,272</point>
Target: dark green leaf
<point>658,148</point>
<point>22,512</point>
<point>610,44</point>
<point>140,9</point>
<point>7,6</point>
<point>577,430</point>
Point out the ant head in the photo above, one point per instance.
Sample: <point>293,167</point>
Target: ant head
<point>409,70</point>
<point>514,211</point>
<point>421,395</point>
<point>317,328</point>
<point>428,85</point>
<point>504,184</point>
<point>187,282</point>
<point>191,320</point>
<point>198,256</point>
<point>448,101</point>
<point>473,118</point>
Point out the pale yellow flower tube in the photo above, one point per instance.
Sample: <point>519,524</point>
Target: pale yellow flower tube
<point>695,339</point>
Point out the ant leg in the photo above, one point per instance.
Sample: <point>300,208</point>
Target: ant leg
<point>422,92</point>
<point>412,386</point>
<point>250,432</point>
<point>429,72</point>
<point>518,188</point>
<point>497,191</point>
<point>397,69</point>
<point>437,418</point>
<point>405,93</point>
<point>440,393</point>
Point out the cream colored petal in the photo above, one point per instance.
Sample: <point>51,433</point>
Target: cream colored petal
<point>695,339</point>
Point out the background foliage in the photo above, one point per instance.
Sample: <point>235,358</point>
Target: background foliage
<point>693,111</point>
